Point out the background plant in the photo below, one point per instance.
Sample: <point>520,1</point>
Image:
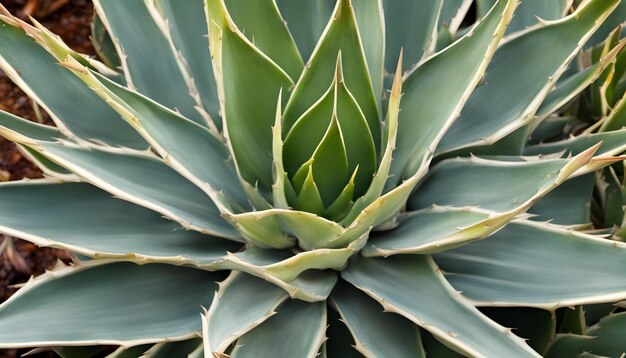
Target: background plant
<point>382,162</point>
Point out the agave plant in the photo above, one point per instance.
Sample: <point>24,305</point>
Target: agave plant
<point>301,183</point>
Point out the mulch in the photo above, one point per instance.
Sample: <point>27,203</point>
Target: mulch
<point>23,259</point>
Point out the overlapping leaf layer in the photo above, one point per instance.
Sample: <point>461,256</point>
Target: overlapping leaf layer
<point>325,178</point>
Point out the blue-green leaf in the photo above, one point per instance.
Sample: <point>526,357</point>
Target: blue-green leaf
<point>340,36</point>
<point>140,42</point>
<point>522,265</point>
<point>248,97</point>
<point>520,76</point>
<point>377,333</point>
<point>242,303</point>
<point>435,92</point>
<point>304,321</point>
<point>26,63</point>
<point>159,303</point>
<point>187,29</point>
<point>397,281</point>
<point>306,21</point>
<point>91,222</point>
<point>410,26</point>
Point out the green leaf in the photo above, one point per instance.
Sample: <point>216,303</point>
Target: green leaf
<point>327,167</point>
<point>572,320</point>
<point>20,130</point>
<point>530,264</point>
<point>309,198</point>
<point>550,129</point>
<point>435,348</point>
<point>270,35</point>
<point>489,184</point>
<point>242,303</point>
<point>510,97</point>
<point>261,230</point>
<point>619,82</point>
<point>310,230</point>
<point>304,321</point>
<point>595,312</point>
<point>535,325</point>
<point>483,6</point>
<point>280,265</point>
<point>373,209</point>
<point>339,342</point>
<point>617,117</point>
<point>339,208</point>
<point>26,63</point>
<point>444,39</point>
<point>511,145</point>
<point>189,148</point>
<point>160,303</point>
<point>377,184</point>
<point>530,10</point>
<point>430,230</point>
<point>57,48</point>
<point>316,129</point>
<point>139,40</point>
<point>410,26</point>
<point>568,204</point>
<point>248,97</point>
<point>616,18</point>
<point>452,14</point>
<point>384,208</point>
<point>129,352</point>
<point>307,133</point>
<point>306,21</point>
<point>290,272</point>
<point>91,222</point>
<point>612,198</point>
<point>435,91</point>
<point>611,143</point>
<point>103,44</point>
<point>144,180</point>
<point>186,28</point>
<point>371,24</point>
<point>600,93</point>
<point>359,143</point>
<point>603,339</point>
<point>26,134</point>
<point>173,349</point>
<point>377,333</point>
<point>396,282</point>
<point>282,190</point>
<point>340,36</point>
<point>48,167</point>
<point>568,88</point>
<point>388,205</point>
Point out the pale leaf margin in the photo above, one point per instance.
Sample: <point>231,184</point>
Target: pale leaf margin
<point>69,270</point>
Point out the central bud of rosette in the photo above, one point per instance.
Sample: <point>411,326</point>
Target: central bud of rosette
<point>329,153</point>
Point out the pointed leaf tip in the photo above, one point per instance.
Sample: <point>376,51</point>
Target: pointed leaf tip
<point>578,162</point>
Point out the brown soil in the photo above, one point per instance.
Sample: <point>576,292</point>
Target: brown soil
<point>31,260</point>
<point>72,22</point>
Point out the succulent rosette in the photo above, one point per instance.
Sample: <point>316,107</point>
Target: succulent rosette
<point>280,178</point>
